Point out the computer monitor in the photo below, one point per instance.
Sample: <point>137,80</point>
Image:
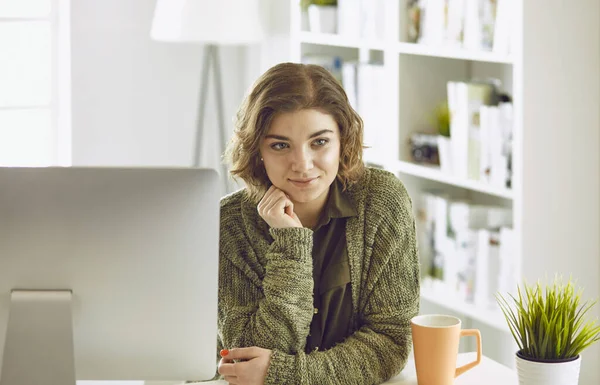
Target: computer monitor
<point>108,274</point>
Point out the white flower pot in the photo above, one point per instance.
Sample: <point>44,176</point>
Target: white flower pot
<point>322,18</point>
<point>548,373</point>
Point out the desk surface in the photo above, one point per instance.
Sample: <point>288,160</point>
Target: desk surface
<point>488,371</point>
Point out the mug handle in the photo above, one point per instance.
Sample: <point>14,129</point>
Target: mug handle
<point>470,365</point>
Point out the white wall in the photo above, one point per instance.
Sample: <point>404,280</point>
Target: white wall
<point>561,138</point>
<point>134,99</point>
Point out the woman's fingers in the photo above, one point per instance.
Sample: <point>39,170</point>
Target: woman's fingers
<point>277,209</point>
<point>266,199</point>
<point>277,204</point>
<point>289,209</point>
<point>226,369</point>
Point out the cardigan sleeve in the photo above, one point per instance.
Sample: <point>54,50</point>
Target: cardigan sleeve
<point>278,315</point>
<point>380,348</point>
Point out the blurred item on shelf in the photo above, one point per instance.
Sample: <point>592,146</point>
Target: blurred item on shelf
<point>441,119</point>
<point>474,25</point>
<point>424,149</point>
<point>468,247</point>
<point>481,126</point>
<point>372,19</point>
<point>350,18</point>
<point>413,20</point>
<point>331,63</point>
<point>322,15</point>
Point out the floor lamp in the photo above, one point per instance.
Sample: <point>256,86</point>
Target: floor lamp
<point>213,23</point>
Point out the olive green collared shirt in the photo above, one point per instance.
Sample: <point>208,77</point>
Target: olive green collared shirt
<point>332,297</point>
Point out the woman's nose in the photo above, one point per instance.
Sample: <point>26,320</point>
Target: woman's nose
<point>302,160</point>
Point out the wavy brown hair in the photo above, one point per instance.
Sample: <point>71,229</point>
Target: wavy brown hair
<point>289,87</point>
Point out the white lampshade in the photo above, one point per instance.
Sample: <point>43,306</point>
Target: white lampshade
<point>207,21</point>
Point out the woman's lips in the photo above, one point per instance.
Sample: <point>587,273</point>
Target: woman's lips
<point>303,182</point>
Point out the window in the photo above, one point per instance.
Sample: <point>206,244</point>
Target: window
<point>34,83</point>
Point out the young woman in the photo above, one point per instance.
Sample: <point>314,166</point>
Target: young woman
<point>319,275</point>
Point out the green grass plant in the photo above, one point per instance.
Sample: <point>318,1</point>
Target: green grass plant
<point>549,322</point>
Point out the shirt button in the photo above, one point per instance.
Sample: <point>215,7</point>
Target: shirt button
<point>316,348</point>
<point>316,311</point>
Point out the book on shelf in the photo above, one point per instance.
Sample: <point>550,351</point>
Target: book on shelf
<point>479,24</point>
<point>372,18</point>
<point>425,220</point>
<point>445,154</point>
<point>496,265</point>
<point>487,267</point>
<point>505,19</point>
<point>496,144</point>
<point>475,25</point>
<point>349,17</point>
<point>432,23</point>
<point>486,142</point>
<point>509,267</point>
<point>350,81</point>
<point>432,232</point>
<point>454,23</point>
<point>464,102</point>
<point>332,63</point>
<point>371,105</point>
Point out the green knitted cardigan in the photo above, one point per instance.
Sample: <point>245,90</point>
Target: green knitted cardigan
<point>266,287</point>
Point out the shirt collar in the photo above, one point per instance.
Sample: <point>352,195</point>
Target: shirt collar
<point>338,205</point>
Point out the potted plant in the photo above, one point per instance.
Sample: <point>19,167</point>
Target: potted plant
<point>322,15</point>
<point>551,330</point>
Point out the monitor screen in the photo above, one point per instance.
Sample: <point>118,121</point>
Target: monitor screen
<point>113,268</point>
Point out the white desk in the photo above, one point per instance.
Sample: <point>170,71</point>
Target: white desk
<point>488,372</point>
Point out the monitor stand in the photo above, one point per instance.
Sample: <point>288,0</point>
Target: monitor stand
<point>39,339</point>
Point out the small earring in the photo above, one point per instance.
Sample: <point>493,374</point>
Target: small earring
<point>261,159</point>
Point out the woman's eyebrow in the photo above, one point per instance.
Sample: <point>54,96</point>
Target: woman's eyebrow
<point>279,137</point>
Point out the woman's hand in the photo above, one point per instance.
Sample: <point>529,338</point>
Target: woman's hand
<point>277,209</point>
<point>250,367</point>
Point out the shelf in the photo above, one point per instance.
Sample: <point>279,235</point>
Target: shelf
<point>493,318</point>
<point>452,53</point>
<point>433,173</point>
<point>335,40</point>
<point>341,41</point>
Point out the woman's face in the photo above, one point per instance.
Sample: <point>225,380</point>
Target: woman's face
<point>301,154</point>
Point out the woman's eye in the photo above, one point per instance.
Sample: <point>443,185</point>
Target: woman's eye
<point>321,142</point>
<point>279,146</point>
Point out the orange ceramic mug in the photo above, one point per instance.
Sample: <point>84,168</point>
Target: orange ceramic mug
<point>435,347</point>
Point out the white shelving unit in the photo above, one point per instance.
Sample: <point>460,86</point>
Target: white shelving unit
<point>420,73</point>
<point>552,74</point>
<point>334,40</point>
<point>407,65</point>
